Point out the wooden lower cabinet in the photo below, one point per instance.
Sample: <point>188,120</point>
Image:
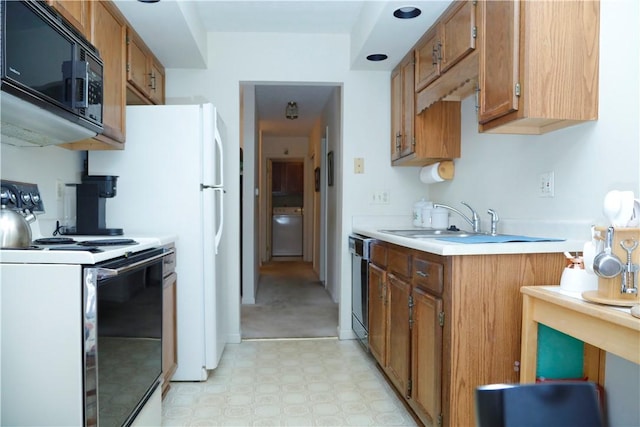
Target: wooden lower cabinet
<point>452,325</point>
<point>399,336</point>
<point>426,356</point>
<point>377,313</point>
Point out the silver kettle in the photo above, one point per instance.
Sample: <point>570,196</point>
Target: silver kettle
<point>15,231</point>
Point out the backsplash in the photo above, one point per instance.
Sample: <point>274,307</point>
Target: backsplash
<point>45,166</point>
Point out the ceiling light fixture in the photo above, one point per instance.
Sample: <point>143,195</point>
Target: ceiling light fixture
<point>291,112</point>
<point>407,12</point>
<point>377,57</point>
<point>148,1</point>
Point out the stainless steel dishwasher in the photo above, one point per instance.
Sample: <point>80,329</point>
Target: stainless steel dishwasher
<point>359,247</point>
<point>286,231</point>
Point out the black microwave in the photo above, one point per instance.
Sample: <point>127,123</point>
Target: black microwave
<point>46,62</point>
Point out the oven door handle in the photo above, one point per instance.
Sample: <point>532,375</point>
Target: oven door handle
<point>104,273</point>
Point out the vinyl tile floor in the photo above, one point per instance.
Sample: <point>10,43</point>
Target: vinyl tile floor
<point>300,382</point>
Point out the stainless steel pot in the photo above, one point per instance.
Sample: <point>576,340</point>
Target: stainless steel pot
<point>15,231</point>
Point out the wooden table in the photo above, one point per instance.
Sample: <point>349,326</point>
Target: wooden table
<point>611,329</point>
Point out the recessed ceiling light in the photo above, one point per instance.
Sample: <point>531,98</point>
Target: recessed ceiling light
<point>148,1</point>
<point>407,12</point>
<point>377,57</point>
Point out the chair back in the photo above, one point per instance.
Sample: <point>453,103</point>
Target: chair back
<point>558,404</point>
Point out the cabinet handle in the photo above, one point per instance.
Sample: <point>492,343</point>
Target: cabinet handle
<point>398,141</point>
<point>434,55</point>
<point>152,78</point>
<point>422,274</point>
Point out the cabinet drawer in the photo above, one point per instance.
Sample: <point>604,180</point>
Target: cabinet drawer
<point>399,262</point>
<point>428,275</point>
<point>378,255</point>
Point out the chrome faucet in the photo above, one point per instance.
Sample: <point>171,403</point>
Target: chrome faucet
<point>494,221</point>
<point>474,220</point>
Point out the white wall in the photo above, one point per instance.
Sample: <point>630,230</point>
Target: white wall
<point>44,166</point>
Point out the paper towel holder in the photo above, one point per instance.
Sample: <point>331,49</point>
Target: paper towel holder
<point>437,172</point>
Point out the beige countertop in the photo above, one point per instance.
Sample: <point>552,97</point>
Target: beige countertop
<point>440,247</point>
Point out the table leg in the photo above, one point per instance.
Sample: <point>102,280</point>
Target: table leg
<point>529,345</point>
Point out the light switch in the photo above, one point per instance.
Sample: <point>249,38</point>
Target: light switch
<point>358,165</point>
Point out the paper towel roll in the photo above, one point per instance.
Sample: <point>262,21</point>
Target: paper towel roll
<point>437,172</point>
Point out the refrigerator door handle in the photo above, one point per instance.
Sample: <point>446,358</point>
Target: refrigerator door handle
<point>218,141</point>
<point>205,187</point>
<point>220,206</point>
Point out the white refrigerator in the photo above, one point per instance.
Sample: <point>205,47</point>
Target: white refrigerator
<point>170,182</point>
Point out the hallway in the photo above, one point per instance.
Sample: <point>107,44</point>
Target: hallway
<point>290,303</point>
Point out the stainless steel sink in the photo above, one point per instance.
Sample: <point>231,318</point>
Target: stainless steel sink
<point>426,234</point>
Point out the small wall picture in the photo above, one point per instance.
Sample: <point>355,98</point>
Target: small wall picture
<point>330,168</point>
<point>316,175</point>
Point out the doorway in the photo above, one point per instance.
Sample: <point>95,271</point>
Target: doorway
<point>287,210</point>
<point>273,148</point>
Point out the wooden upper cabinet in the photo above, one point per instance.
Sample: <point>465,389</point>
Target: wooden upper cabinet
<point>156,86</point>
<point>499,72</point>
<point>538,65</point>
<point>137,60</point>
<point>458,33</point>
<point>427,57</point>
<point>108,34</point>
<point>447,42</point>
<point>76,12</point>
<point>145,74</point>
<point>402,109</point>
<point>287,177</point>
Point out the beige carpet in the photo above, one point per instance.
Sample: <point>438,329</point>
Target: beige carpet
<point>290,303</point>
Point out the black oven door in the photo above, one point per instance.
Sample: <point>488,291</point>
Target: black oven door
<point>123,333</point>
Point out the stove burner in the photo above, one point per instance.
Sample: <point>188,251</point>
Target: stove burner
<point>108,242</point>
<point>54,241</point>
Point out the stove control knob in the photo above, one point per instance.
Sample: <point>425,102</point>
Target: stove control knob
<point>36,198</point>
<point>26,198</point>
<point>8,198</point>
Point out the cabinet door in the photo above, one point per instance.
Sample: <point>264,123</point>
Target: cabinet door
<point>295,177</point>
<point>377,313</point>
<point>427,57</point>
<point>426,356</point>
<point>156,82</point>
<point>137,63</point>
<point>169,350</point>
<point>76,12</point>
<point>109,35</point>
<point>499,59</point>
<point>399,335</point>
<point>396,113</point>
<point>408,107</point>
<point>458,34</point>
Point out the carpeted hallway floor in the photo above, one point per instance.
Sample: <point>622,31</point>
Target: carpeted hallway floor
<point>290,303</point>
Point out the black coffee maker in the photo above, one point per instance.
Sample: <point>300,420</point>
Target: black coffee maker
<point>91,198</point>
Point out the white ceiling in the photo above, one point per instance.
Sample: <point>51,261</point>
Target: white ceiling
<point>175,30</point>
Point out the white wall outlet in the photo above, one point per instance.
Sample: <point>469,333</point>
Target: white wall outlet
<point>380,197</point>
<point>546,184</point>
<point>358,165</point>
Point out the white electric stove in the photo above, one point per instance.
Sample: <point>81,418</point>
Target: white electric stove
<point>93,304</point>
<point>84,250</point>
